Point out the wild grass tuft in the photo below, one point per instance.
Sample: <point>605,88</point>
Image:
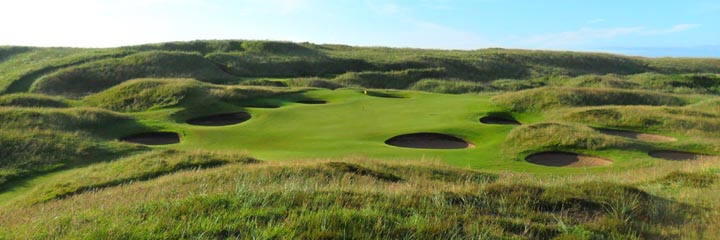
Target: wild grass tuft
<point>551,97</point>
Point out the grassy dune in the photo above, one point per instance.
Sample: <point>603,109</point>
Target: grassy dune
<point>316,200</point>
<point>96,76</point>
<point>312,160</point>
<point>548,98</point>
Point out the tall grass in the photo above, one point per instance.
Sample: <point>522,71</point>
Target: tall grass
<point>24,152</point>
<point>139,167</point>
<point>19,71</point>
<point>552,97</point>
<point>556,136</point>
<point>32,100</point>
<point>148,94</point>
<point>448,86</point>
<point>670,119</point>
<point>96,76</point>
<point>313,200</point>
<point>393,79</point>
<point>100,122</point>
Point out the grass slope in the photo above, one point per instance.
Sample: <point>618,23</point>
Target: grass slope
<point>96,76</point>
<point>315,200</point>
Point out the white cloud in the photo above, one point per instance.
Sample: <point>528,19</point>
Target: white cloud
<point>589,35</point>
<point>582,36</point>
<point>673,29</point>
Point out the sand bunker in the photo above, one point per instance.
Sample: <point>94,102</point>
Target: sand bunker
<point>428,141</point>
<point>498,120</point>
<point>563,159</point>
<point>312,101</point>
<point>637,135</point>
<point>153,138</point>
<point>220,119</point>
<point>681,156</point>
<point>383,94</point>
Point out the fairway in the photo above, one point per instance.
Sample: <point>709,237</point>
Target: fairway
<point>355,124</point>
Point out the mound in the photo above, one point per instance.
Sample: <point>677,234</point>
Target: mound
<point>84,79</point>
<point>312,101</point>
<point>639,136</point>
<point>153,138</point>
<point>428,141</point>
<point>680,156</point>
<point>149,94</point>
<point>221,119</point>
<point>670,119</point>
<point>32,100</point>
<point>498,120</point>
<point>552,97</point>
<point>563,159</point>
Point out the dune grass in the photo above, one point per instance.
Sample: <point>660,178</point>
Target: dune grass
<point>90,120</point>
<point>312,200</point>
<point>19,71</point>
<point>553,136</point>
<point>26,152</point>
<point>127,170</point>
<point>33,100</point>
<point>668,119</point>
<point>96,76</point>
<point>551,97</point>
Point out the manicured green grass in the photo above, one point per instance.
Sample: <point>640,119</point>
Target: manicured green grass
<point>355,124</point>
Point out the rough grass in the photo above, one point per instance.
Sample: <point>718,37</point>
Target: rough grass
<point>392,80</point>
<point>283,62</point>
<point>139,167</point>
<point>684,121</point>
<point>31,151</point>
<point>32,100</point>
<point>451,86</point>
<point>711,105</point>
<point>556,136</point>
<point>96,76</point>
<point>213,60</point>
<point>99,122</point>
<point>308,200</point>
<point>691,179</point>
<point>148,94</point>
<point>202,47</point>
<point>20,70</point>
<point>314,82</point>
<point>152,94</point>
<point>552,97</point>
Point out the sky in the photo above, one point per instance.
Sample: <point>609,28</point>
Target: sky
<point>689,28</point>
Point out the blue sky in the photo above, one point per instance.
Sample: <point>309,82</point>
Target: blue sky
<point>648,28</point>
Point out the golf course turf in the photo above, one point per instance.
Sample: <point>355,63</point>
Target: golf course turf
<point>275,140</point>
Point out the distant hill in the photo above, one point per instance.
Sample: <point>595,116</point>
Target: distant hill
<point>78,72</point>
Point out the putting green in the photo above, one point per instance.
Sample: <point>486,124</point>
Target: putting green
<point>356,124</point>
